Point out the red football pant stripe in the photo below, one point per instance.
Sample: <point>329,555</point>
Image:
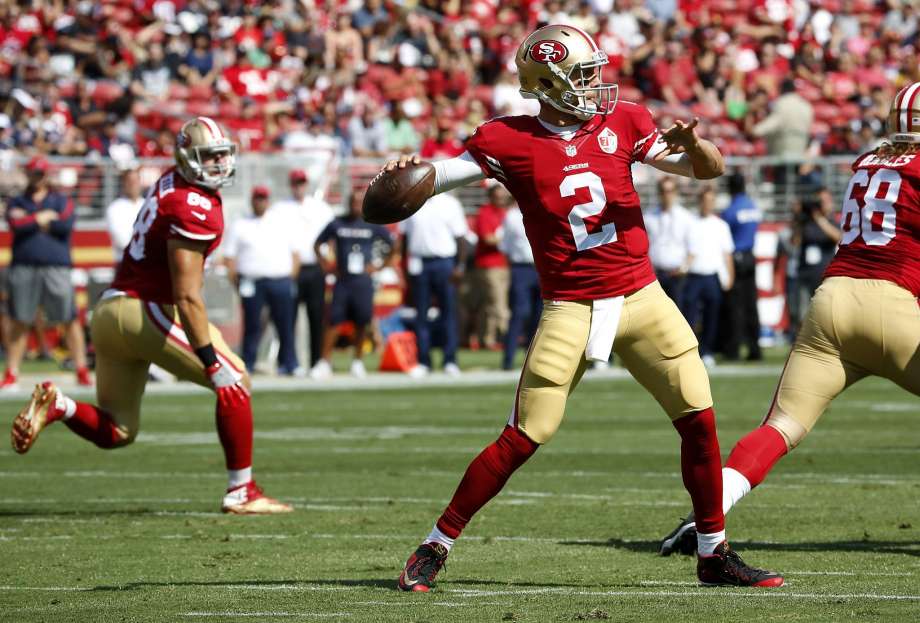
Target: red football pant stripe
<point>701,468</point>
<point>234,427</point>
<point>756,454</point>
<point>96,425</point>
<point>485,477</point>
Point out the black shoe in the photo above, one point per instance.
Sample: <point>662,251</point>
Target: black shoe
<point>682,539</point>
<point>725,568</point>
<point>422,567</point>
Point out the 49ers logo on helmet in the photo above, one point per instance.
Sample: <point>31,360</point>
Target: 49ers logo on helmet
<point>548,51</point>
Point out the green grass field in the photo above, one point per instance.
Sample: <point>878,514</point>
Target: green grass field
<point>133,535</point>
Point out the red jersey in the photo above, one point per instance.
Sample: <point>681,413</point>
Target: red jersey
<point>488,220</point>
<point>881,222</point>
<point>173,208</point>
<point>581,210</point>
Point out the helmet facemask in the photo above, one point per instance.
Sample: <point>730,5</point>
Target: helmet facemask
<point>209,171</point>
<point>585,96</point>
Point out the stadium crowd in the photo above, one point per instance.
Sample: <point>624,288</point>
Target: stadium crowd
<point>371,77</point>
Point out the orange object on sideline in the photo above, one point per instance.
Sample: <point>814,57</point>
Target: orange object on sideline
<point>400,353</point>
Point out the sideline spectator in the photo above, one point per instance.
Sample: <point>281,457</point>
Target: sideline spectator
<point>361,249</point>
<point>668,226</point>
<point>709,258</point>
<point>41,221</point>
<point>491,268</point>
<point>307,216</point>
<point>818,242</point>
<point>787,130</point>
<point>261,259</point>
<point>400,135</point>
<point>524,295</point>
<point>436,248</point>
<point>122,212</point>
<point>743,326</point>
<point>366,134</point>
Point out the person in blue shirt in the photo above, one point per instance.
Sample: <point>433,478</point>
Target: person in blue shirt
<point>41,221</point>
<point>740,304</point>
<point>361,249</point>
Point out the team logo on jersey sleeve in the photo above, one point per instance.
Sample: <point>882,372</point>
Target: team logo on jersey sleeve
<point>607,140</point>
<point>548,51</point>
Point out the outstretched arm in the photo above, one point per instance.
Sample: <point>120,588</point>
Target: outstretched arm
<point>685,153</point>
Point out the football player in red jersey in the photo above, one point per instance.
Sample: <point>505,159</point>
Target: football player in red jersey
<point>569,170</point>
<point>154,313</point>
<point>864,319</point>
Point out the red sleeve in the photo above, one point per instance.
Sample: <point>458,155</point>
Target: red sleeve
<point>193,215</point>
<point>646,133</point>
<point>478,145</point>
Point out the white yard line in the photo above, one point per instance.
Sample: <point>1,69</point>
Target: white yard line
<point>549,590</point>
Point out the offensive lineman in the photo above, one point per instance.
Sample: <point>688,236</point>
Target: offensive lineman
<point>154,313</point>
<point>864,319</point>
<point>569,170</point>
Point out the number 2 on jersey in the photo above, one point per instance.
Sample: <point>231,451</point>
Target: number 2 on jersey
<point>578,213</point>
<point>856,221</point>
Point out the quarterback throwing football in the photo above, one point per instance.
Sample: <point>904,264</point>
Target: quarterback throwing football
<point>569,170</point>
<point>154,313</point>
<point>864,319</point>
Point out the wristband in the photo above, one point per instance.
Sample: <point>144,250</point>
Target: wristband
<point>207,355</point>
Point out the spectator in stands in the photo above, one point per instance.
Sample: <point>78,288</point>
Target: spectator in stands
<point>668,226</point>
<point>524,295</point>
<point>709,269</point>
<point>400,135</point>
<point>366,133</point>
<point>41,221</point>
<point>151,78</point>
<point>307,217</point>
<point>444,143</point>
<point>436,248</point>
<point>743,327</point>
<point>361,249</point>
<point>491,268</point>
<point>261,259</point>
<point>674,75</point>
<point>122,212</point>
<point>787,130</point>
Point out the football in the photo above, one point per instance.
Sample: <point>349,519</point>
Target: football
<point>396,195</point>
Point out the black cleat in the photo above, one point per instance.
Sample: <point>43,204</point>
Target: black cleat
<point>422,567</point>
<point>725,568</point>
<point>682,539</point>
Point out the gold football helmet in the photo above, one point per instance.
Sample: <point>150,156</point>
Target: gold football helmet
<point>560,65</point>
<point>204,155</point>
<point>904,117</point>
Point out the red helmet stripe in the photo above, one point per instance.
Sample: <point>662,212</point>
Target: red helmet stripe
<point>908,110</point>
<point>212,127</point>
<point>897,107</point>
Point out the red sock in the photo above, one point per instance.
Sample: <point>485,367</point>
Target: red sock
<point>757,452</point>
<point>96,425</point>
<point>485,477</point>
<point>701,467</point>
<point>234,427</point>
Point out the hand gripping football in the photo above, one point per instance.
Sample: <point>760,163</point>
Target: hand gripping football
<point>396,195</point>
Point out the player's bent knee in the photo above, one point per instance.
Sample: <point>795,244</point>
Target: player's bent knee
<point>688,376</point>
<point>540,411</point>
<point>787,426</point>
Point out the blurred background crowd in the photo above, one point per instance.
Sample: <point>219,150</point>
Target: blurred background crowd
<point>372,77</point>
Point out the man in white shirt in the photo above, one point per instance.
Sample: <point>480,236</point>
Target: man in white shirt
<point>524,294</point>
<point>122,212</point>
<point>261,261</point>
<point>436,248</point>
<point>667,228</point>
<point>710,269</point>
<point>307,217</point>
